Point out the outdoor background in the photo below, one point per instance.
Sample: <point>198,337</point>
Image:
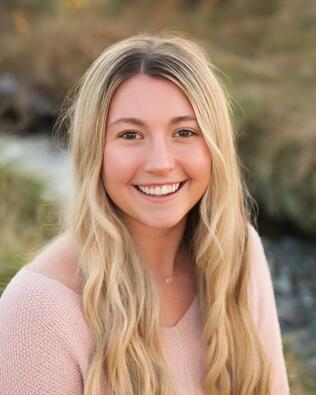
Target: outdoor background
<point>266,51</point>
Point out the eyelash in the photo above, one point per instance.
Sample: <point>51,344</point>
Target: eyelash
<point>134,132</point>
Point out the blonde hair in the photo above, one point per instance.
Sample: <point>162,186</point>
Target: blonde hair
<point>124,317</point>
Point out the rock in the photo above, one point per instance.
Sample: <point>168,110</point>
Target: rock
<point>25,108</point>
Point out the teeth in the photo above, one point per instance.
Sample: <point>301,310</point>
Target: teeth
<point>163,190</point>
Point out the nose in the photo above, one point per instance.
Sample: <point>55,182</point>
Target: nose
<point>160,158</point>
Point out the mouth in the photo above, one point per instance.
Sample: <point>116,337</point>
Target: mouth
<point>160,191</point>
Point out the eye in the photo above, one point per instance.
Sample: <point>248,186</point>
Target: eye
<point>129,135</point>
<point>185,133</point>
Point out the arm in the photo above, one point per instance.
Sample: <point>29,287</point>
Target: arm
<point>35,356</point>
<point>266,313</point>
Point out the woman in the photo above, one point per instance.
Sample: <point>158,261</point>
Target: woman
<point>158,283</point>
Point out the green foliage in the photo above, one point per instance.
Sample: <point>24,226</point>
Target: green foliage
<point>27,220</point>
<point>32,7</point>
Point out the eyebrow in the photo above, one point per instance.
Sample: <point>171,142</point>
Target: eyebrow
<point>139,122</point>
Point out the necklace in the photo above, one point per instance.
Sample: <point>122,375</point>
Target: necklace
<point>168,279</point>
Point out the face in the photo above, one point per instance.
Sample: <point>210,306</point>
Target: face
<point>156,164</point>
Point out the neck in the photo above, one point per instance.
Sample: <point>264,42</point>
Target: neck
<point>162,249</point>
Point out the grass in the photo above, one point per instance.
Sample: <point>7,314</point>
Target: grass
<point>27,221</point>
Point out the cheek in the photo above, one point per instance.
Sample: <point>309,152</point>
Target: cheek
<point>119,166</point>
<point>200,163</point>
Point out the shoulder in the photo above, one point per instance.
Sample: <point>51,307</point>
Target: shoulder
<point>40,300</point>
<point>261,291</point>
<point>258,261</point>
<point>254,241</point>
<point>45,343</point>
<point>265,312</point>
<point>58,261</point>
<point>260,285</point>
<point>36,301</point>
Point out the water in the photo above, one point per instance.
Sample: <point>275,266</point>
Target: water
<point>37,155</point>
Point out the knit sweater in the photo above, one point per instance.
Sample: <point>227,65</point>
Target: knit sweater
<point>46,346</point>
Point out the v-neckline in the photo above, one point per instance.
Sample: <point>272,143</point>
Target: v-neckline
<point>184,317</point>
<point>177,325</point>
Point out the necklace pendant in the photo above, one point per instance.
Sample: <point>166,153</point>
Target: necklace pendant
<point>168,279</point>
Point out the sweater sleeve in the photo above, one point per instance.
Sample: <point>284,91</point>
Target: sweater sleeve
<point>266,313</point>
<point>35,355</point>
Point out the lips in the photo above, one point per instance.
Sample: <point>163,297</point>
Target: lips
<point>153,185</point>
<point>162,196</point>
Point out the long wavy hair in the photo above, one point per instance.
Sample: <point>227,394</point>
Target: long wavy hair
<point>120,303</point>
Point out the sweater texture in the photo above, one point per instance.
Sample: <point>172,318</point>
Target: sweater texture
<point>46,346</point>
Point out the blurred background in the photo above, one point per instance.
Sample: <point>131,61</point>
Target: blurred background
<point>266,51</point>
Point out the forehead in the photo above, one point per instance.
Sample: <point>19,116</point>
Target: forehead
<point>148,98</point>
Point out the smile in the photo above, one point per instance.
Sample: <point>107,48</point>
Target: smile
<point>161,190</point>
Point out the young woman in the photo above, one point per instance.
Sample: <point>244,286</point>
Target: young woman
<point>158,283</point>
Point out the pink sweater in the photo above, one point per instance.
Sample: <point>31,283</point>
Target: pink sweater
<point>45,344</point>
